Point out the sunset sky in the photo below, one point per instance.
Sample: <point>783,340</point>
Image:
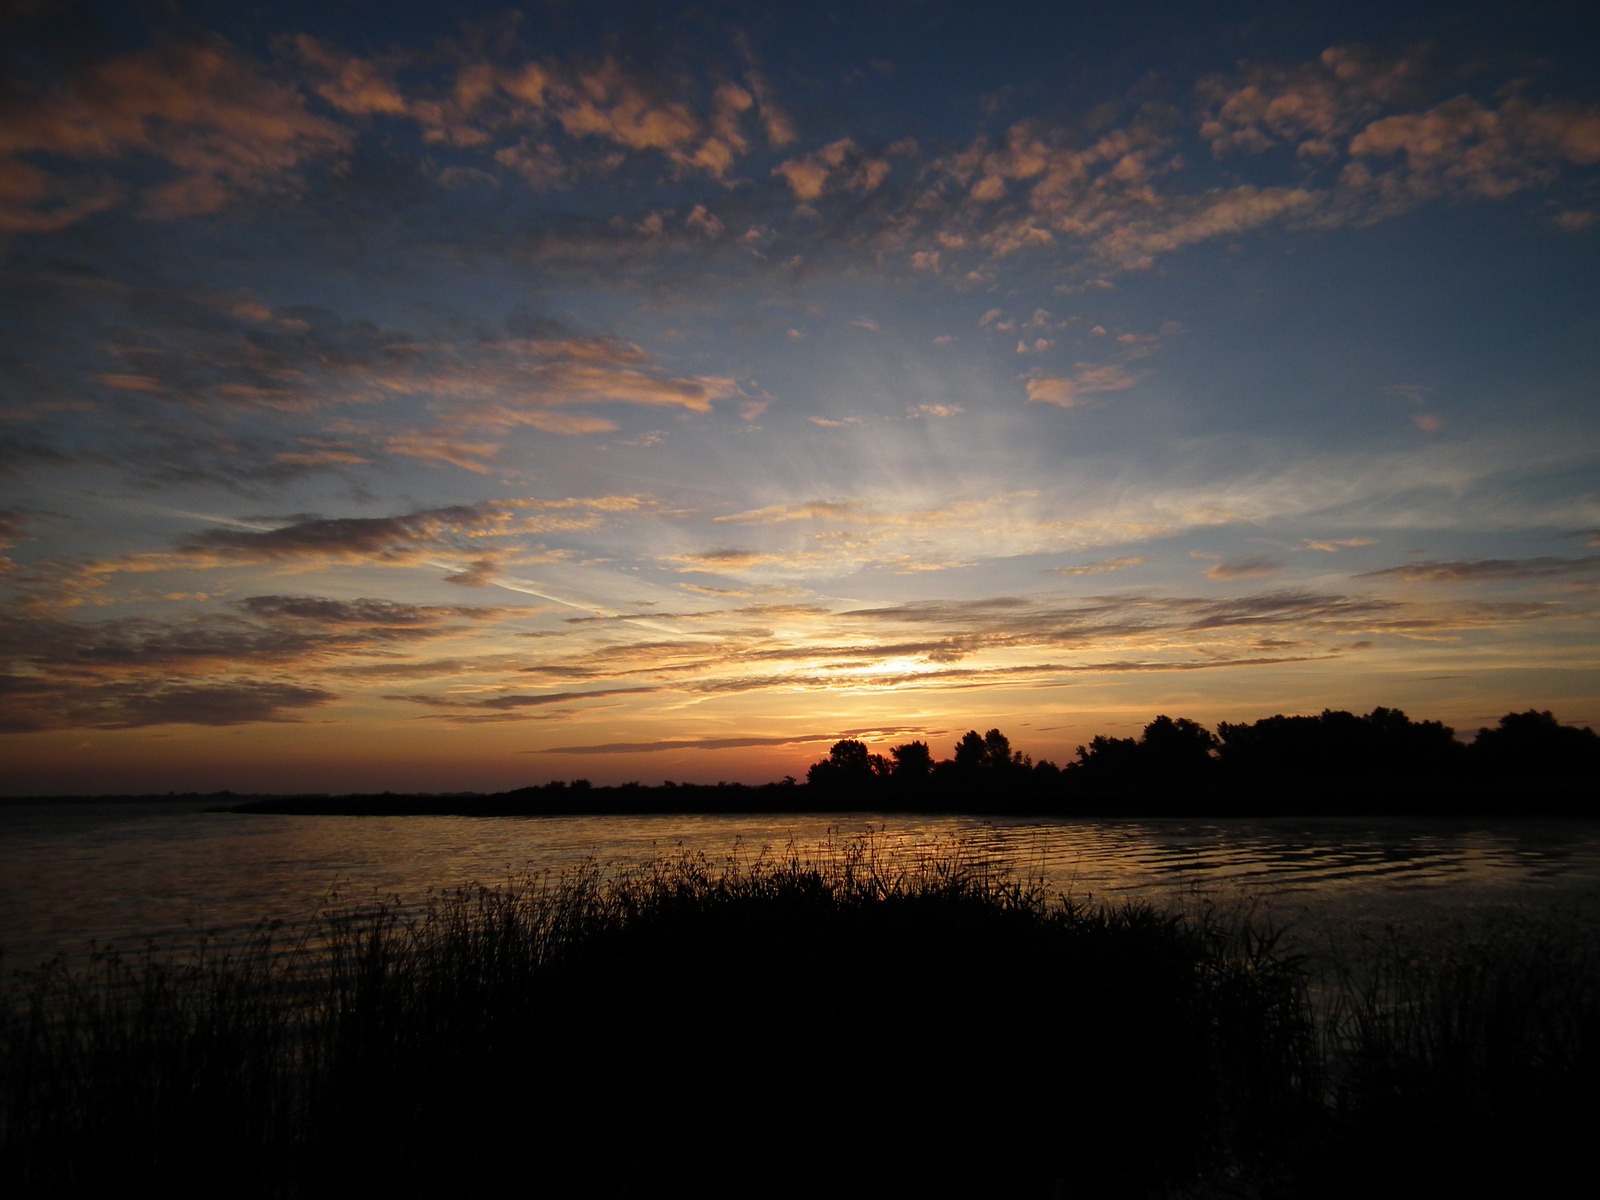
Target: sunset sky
<point>465,400</point>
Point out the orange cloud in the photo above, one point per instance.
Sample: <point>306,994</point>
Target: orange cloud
<point>202,109</point>
<point>838,166</point>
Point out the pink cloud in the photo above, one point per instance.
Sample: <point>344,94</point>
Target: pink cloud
<point>1086,380</point>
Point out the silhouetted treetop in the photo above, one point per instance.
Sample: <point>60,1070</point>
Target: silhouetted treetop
<point>849,764</point>
<point>912,761</point>
<point>1167,751</point>
<point>1536,744</point>
<point>1291,755</point>
<point>1337,745</point>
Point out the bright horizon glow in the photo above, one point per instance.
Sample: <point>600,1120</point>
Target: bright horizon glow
<point>653,395</point>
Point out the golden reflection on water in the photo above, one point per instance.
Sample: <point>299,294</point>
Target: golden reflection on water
<point>125,874</point>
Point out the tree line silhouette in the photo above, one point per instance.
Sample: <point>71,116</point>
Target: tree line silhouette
<point>1383,749</point>
<point>1336,762</point>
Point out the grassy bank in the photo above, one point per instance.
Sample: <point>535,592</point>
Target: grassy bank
<point>783,1027</point>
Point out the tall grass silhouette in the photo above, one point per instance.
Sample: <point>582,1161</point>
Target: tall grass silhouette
<point>851,1023</point>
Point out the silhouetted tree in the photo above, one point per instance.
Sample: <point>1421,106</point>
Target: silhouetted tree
<point>1534,745</point>
<point>913,762</point>
<point>1384,744</point>
<point>1167,752</point>
<point>1176,748</point>
<point>971,753</point>
<point>999,755</point>
<point>987,759</point>
<point>849,765</point>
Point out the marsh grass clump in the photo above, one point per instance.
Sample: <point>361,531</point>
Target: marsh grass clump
<point>850,1024</point>
<point>1467,1062</point>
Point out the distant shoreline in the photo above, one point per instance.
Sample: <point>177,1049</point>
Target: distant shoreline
<point>1352,799</point>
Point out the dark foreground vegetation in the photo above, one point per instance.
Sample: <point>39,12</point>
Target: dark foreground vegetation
<point>792,1028</point>
<point>1335,763</point>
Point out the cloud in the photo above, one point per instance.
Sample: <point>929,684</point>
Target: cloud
<point>238,703</point>
<point>1341,109</point>
<point>1333,547</point>
<point>506,703</point>
<point>263,658</point>
<point>217,365</point>
<point>401,540</point>
<point>442,449</point>
<point>471,543</point>
<point>540,117</point>
<point>30,705</point>
<point>838,166</point>
<point>938,411</point>
<point>1489,570</point>
<point>1255,567</point>
<point>690,744</point>
<point>218,128</point>
<point>1086,380</point>
<point>1308,106</point>
<point>11,527</point>
<point>810,510</point>
<point>365,613</point>
<point>1365,139</point>
<point>726,558</point>
<point>479,573</point>
<point>1101,567</point>
<point>1462,147</point>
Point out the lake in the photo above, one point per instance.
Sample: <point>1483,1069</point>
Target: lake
<point>124,874</point>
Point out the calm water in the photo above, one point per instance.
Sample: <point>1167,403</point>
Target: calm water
<point>125,874</point>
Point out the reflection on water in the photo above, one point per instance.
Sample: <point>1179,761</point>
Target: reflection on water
<point>124,873</point>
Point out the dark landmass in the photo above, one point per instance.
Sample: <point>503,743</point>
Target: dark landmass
<point>865,1027</point>
<point>1332,764</point>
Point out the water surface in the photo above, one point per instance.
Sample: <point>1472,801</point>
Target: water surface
<point>124,874</point>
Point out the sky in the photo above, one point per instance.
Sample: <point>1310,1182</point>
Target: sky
<point>462,397</point>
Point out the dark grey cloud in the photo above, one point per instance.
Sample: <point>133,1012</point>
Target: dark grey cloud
<point>1255,567</point>
<point>941,610</point>
<point>1487,570</point>
<point>131,644</point>
<point>378,539</point>
<point>752,610</point>
<point>133,671</point>
<point>363,613</point>
<point>509,703</point>
<point>872,731</point>
<point>687,744</point>
<point>31,704</point>
<point>1276,608</point>
<point>237,703</point>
